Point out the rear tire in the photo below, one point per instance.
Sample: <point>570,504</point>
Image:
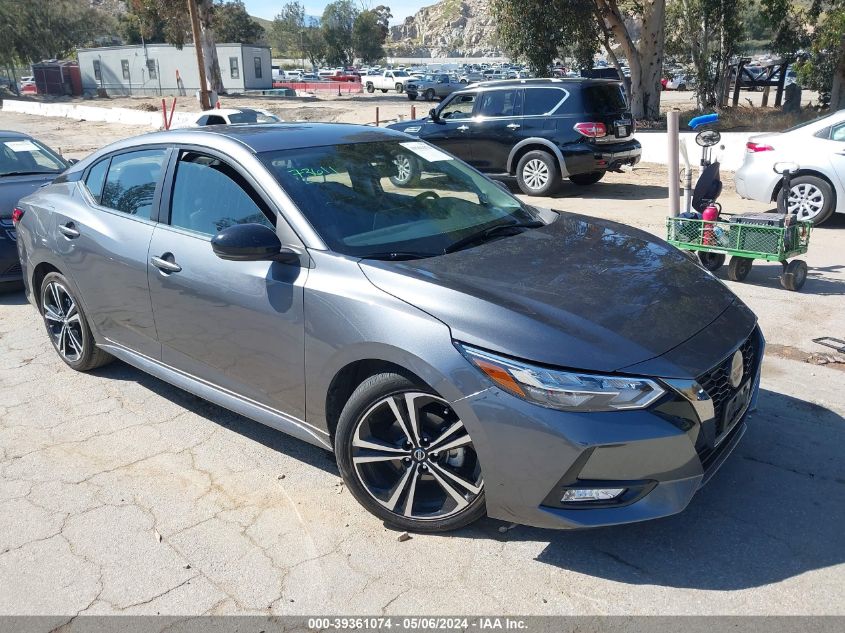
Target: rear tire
<point>407,171</point>
<point>384,89</point>
<point>711,261</point>
<point>537,174</point>
<point>370,88</point>
<point>377,457</point>
<point>811,197</point>
<point>739,267</point>
<point>400,88</point>
<point>67,326</point>
<point>590,178</point>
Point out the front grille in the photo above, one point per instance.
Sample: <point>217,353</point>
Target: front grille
<point>717,383</point>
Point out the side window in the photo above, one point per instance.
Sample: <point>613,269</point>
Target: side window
<point>500,103</point>
<point>838,133</point>
<point>257,62</point>
<point>542,100</point>
<point>152,69</point>
<point>234,70</point>
<point>96,178</point>
<point>208,196</point>
<point>124,64</point>
<point>97,74</point>
<point>459,107</point>
<point>214,119</point>
<point>131,182</point>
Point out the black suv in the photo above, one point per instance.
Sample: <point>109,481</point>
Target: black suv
<point>539,130</point>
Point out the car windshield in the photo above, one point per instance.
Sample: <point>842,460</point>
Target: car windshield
<point>252,116</point>
<point>400,73</point>
<point>26,156</point>
<point>404,198</point>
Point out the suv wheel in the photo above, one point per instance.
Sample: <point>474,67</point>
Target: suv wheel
<point>537,174</point>
<point>407,458</point>
<point>67,326</point>
<point>407,171</point>
<point>412,96</point>
<point>590,178</point>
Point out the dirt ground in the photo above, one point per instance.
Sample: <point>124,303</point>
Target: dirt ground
<point>122,494</point>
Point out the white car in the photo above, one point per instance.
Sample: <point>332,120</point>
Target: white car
<point>818,149</point>
<point>234,116</point>
<point>680,82</point>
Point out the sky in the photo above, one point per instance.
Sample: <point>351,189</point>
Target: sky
<point>399,8</point>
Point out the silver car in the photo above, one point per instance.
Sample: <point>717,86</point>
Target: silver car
<point>460,351</point>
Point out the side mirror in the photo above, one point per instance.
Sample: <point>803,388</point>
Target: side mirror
<point>72,161</point>
<point>249,243</point>
<point>432,114</point>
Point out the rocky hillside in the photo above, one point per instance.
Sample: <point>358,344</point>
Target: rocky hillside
<point>448,28</point>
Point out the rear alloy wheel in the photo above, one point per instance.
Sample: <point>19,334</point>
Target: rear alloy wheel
<point>67,326</point>
<point>590,178</point>
<point>429,94</point>
<point>537,174</point>
<point>371,88</point>
<point>810,198</point>
<point>407,457</point>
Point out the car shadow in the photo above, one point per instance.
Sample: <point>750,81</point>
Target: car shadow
<point>774,511</point>
<point>13,297</point>
<point>271,438</point>
<point>767,274</point>
<point>616,191</point>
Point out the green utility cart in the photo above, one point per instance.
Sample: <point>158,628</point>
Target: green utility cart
<point>772,237</point>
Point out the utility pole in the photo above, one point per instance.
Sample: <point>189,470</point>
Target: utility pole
<point>205,101</point>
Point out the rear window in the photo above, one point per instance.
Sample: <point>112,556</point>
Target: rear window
<point>542,100</point>
<point>606,98</point>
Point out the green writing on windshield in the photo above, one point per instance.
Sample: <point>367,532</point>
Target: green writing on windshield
<point>304,173</point>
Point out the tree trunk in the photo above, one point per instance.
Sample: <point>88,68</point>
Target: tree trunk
<point>837,89</point>
<point>209,47</point>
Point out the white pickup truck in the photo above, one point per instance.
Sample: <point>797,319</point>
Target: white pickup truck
<point>387,80</point>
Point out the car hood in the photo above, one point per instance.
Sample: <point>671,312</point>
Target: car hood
<point>13,188</point>
<point>580,293</point>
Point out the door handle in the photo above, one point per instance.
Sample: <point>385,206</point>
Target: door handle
<point>513,126</point>
<point>462,128</point>
<point>164,265</point>
<point>69,230</point>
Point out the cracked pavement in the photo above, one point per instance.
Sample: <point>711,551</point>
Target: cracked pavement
<point>120,494</point>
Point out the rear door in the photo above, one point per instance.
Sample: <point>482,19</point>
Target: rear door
<point>451,131</point>
<point>236,325</point>
<point>103,239</point>
<point>496,128</point>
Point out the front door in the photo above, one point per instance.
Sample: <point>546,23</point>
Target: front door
<point>451,130</point>
<point>103,241</point>
<point>236,325</point>
<point>496,128</point>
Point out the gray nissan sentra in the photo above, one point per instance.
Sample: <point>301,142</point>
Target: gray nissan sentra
<point>460,351</point>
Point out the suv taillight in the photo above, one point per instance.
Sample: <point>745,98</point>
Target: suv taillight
<point>758,147</point>
<point>17,215</point>
<point>592,129</point>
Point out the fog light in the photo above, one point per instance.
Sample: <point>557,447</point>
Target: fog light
<point>591,494</point>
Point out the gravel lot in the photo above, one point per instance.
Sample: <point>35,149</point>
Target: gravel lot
<point>122,494</point>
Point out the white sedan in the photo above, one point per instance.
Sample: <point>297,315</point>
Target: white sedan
<point>818,149</point>
<point>229,116</point>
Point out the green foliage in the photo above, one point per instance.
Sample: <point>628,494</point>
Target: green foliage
<point>233,24</point>
<point>818,70</point>
<point>47,29</point>
<point>369,32</point>
<point>337,25</point>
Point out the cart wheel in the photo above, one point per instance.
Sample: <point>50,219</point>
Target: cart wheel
<point>739,267</point>
<point>794,275</point>
<point>711,261</point>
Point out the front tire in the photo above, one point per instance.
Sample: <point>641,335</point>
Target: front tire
<point>407,458</point>
<point>67,325</point>
<point>412,97</point>
<point>407,171</point>
<point>810,197</point>
<point>429,94</point>
<point>591,178</point>
<point>537,174</point>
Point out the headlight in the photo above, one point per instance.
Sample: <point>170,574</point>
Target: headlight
<point>564,390</point>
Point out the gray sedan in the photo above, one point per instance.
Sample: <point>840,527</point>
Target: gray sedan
<point>461,352</point>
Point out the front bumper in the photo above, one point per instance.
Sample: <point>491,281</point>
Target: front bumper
<point>530,455</point>
<point>10,265</point>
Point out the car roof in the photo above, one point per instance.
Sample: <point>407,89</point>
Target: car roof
<point>13,134</point>
<point>262,138</point>
<point>542,82</point>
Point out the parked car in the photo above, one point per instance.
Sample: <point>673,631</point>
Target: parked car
<point>537,130</point>
<point>227,116</point>
<point>816,147</point>
<point>471,77</point>
<point>25,165</point>
<point>680,83</point>
<point>433,86</point>
<point>460,351</point>
<point>388,80</point>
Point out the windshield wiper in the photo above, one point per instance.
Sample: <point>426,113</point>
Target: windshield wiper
<point>490,232</point>
<point>398,255</point>
<point>27,173</point>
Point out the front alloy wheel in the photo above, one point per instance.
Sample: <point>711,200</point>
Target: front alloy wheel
<point>407,457</point>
